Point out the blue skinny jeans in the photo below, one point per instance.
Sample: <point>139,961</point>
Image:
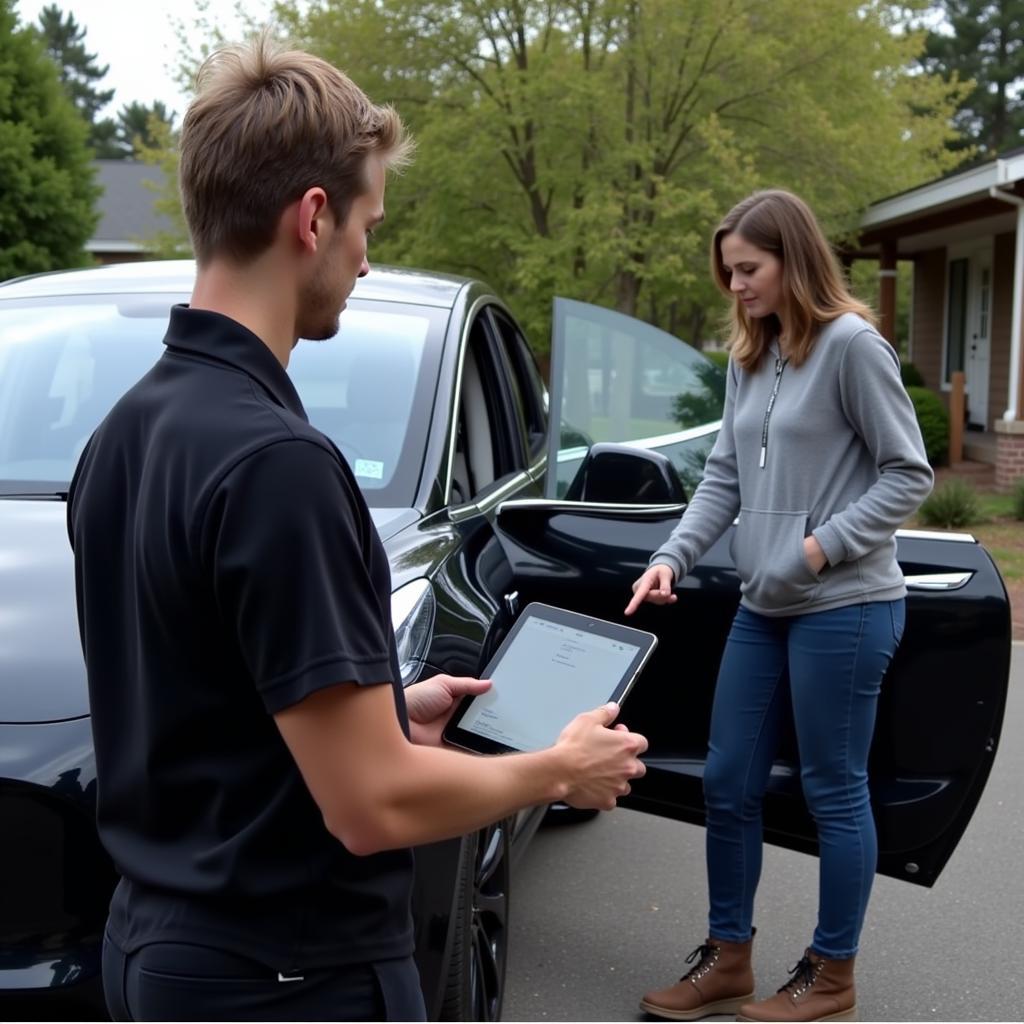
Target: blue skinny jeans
<point>835,661</point>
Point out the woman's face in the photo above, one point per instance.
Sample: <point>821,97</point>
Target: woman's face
<point>755,275</point>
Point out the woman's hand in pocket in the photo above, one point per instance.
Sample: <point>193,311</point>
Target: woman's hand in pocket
<point>655,586</point>
<point>814,554</point>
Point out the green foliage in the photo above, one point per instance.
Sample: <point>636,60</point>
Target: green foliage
<point>160,149</point>
<point>589,149</point>
<point>933,419</point>
<point>953,504</point>
<point>142,127</point>
<point>1017,498</point>
<point>911,375</point>
<point>696,406</point>
<point>981,43</point>
<point>864,284</point>
<point>720,357</point>
<point>46,215</point>
<point>80,76</point>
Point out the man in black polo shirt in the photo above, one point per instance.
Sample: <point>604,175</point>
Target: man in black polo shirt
<point>260,779</point>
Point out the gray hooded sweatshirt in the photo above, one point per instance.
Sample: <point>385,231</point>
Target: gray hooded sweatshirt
<point>836,453</point>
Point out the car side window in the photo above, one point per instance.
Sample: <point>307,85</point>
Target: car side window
<point>617,379</point>
<point>488,445</point>
<point>528,386</point>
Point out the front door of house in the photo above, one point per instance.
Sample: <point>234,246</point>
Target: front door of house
<point>979,330</point>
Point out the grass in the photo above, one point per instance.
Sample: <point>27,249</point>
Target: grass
<point>998,530</point>
<point>1004,541</point>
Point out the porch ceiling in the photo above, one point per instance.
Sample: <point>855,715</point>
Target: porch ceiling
<point>978,221</point>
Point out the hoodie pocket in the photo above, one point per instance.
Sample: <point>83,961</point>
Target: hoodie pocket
<point>768,550</point>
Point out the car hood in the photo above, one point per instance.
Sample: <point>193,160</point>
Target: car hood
<point>390,520</point>
<point>42,674</point>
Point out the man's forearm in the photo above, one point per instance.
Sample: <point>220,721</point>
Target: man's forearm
<point>433,793</point>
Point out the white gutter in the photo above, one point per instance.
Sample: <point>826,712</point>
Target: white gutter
<point>946,192</point>
<point>1013,390</point>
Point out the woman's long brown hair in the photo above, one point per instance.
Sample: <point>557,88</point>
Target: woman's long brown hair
<point>813,287</point>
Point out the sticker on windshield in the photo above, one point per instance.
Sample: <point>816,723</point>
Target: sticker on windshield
<point>369,468</point>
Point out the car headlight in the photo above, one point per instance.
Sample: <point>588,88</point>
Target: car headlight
<point>412,617</point>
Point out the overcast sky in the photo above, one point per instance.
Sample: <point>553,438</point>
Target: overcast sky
<point>136,38</point>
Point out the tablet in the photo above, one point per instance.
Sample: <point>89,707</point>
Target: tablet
<point>553,665</point>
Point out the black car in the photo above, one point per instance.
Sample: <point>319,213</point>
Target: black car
<point>432,393</point>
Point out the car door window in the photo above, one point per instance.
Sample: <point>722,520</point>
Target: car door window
<point>614,378</point>
<point>488,443</point>
<point>529,391</point>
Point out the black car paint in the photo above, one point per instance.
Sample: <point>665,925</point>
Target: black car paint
<point>938,729</point>
<point>939,716</point>
<point>47,769</point>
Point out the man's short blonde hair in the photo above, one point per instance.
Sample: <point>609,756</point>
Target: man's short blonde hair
<point>266,125</point>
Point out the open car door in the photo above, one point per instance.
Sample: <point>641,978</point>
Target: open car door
<point>615,379</point>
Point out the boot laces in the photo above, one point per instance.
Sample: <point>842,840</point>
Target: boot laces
<point>708,955</point>
<point>802,976</point>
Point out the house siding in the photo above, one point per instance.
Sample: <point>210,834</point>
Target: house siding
<point>928,314</point>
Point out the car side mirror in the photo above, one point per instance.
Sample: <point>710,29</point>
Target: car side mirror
<point>620,474</point>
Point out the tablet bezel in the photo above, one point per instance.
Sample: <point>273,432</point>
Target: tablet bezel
<point>647,642</point>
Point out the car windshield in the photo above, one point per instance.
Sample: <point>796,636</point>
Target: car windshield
<point>65,361</point>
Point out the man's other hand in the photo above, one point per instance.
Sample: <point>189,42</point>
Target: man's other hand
<point>433,701</point>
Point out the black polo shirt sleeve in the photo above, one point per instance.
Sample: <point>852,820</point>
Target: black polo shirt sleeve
<point>293,556</point>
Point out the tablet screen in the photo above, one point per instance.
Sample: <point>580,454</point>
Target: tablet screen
<point>553,666</point>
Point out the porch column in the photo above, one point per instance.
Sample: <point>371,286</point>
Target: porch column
<point>1014,412</point>
<point>887,292</point>
<point>1010,429</point>
<point>1013,404</point>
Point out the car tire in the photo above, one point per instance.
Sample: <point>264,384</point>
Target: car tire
<point>475,988</point>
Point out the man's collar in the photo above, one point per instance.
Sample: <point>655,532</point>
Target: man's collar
<point>215,336</point>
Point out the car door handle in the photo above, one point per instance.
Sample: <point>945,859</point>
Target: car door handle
<point>938,580</point>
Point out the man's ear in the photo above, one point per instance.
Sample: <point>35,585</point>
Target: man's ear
<point>312,218</point>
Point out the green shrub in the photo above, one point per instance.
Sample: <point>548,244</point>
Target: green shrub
<point>1017,498</point>
<point>933,419</point>
<point>719,357</point>
<point>954,504</point>
<point>911,376</point>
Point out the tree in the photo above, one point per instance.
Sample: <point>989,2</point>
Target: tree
<point>141,127</point>
<point>160,148</point>
<point>80,76</point>
<point>588,147</point>
<point>46,211</point>
<point>982,42</point>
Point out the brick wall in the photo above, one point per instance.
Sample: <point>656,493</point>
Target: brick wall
<point>1009,459</point>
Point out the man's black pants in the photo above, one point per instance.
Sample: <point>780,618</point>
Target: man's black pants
<point>179,981</point>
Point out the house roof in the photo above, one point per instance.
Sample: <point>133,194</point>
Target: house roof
<point>949,206</point>
<point>127,216</point>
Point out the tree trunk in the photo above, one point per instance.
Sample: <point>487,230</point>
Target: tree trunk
<point>627,291</point>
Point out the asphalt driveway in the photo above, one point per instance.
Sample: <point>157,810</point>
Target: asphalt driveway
<point>607,909</point>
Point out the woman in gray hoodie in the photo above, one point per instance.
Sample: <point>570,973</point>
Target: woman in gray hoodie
<point>821,458</point>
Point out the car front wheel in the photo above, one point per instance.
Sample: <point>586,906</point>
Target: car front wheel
<point>476,973</point>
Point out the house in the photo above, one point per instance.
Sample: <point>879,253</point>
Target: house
<point>964,234</point>
<point>127,217</point>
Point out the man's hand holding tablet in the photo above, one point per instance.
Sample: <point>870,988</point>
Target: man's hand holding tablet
<point>603,759</point>
<point>553,665</point>
<point>600,759</point>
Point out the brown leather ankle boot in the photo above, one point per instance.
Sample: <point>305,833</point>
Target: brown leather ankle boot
<point>818,989</point>
<point>719,982</point>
